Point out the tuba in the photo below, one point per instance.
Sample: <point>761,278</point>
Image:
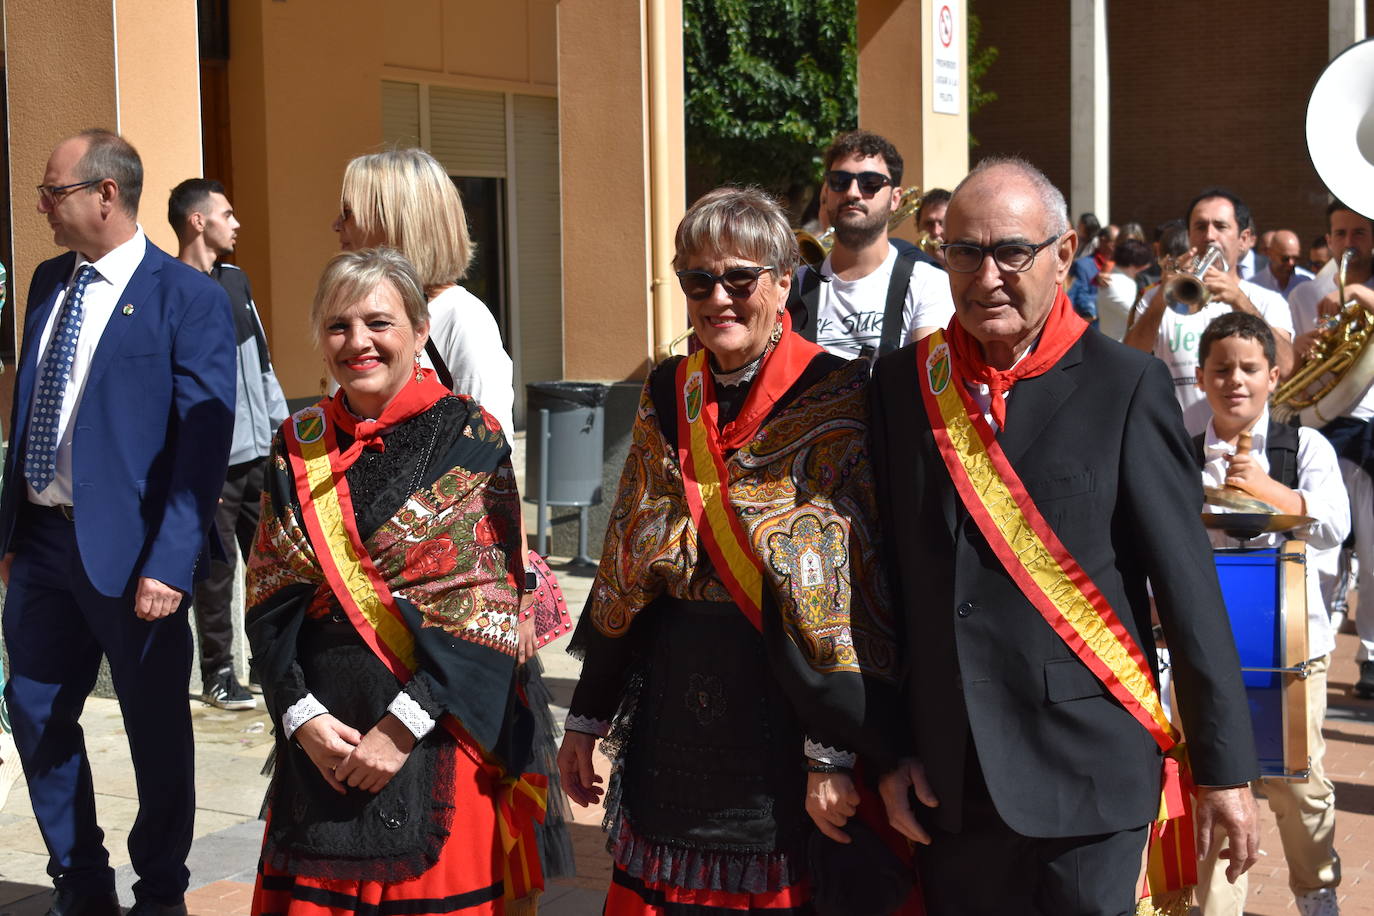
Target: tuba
<point>1340,366</point>
<point>815,248</point>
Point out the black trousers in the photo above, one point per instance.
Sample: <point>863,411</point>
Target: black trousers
<point>988,869</point>
<point>236,518</point>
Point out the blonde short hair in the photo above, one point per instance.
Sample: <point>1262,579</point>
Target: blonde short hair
<point>743,222</point>
<point>351,275</point>
<point>405,197</point>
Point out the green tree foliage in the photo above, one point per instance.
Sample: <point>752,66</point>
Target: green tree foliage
<point>980,61</point>
<point>769,84</point>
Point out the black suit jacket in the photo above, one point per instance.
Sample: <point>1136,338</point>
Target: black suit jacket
<point>1099,442</point>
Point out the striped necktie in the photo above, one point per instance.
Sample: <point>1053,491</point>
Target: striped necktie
<point>40,458</point>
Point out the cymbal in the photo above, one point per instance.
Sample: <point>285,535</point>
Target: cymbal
<point>1251,524</point>
<point>1232,498</point>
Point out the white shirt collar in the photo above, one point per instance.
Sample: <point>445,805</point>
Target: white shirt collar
<point>1213,445</point>
<point>118,265</point>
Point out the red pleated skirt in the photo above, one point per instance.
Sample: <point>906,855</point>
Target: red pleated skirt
<point>467,878</point>
<point>631,896</point>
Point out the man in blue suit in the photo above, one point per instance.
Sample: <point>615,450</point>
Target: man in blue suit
<point>120,433</point>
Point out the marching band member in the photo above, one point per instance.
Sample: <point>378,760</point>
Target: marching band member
<point>1031,477</point>
<point>1214,217</point>
<point>1295,471</point>
<point>870,295</point>
<point>1353,433</point>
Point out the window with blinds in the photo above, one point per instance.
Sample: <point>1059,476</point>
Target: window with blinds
<point>493,135</point>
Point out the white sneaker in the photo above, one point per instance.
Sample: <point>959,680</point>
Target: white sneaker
<point>1318,903</point>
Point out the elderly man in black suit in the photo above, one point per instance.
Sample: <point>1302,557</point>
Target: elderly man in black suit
<point>1035,756</point>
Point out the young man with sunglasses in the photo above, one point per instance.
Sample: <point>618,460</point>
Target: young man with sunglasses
<point>867,297</point>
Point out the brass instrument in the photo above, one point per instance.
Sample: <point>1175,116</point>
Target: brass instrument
<point>1187,287</point>
<point>815,248</point>
<point>1339,367</point>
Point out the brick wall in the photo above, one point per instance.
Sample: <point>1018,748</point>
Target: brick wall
<point>1200,95</point>
<point>1031,78</point>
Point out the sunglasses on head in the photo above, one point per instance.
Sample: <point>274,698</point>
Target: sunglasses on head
<point>738,282</point>
<point>869,182</point>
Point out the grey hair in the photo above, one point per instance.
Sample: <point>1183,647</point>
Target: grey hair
<point>1051,198</point>
<point>746,222</point>
<point>108,155</point>
<point>351,275</point>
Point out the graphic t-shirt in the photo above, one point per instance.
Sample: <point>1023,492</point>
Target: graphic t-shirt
<point>849,319</point>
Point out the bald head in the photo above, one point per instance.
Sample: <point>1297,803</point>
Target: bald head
<point>1005,206</point>
<point>1285,251</point>
<point>995,174</point>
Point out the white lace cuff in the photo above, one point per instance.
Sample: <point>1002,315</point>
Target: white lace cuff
<point>411,714</point>
<point>301,712</point>
<point>587,725</point>
<point>831,755</point>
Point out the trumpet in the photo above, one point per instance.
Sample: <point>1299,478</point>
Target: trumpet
<point>1187,287</point>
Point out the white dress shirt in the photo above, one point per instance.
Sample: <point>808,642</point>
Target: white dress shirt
<point>1324,499</point>
<point>103,293</point>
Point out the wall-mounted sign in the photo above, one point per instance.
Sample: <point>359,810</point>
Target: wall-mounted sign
<point>947,47</point>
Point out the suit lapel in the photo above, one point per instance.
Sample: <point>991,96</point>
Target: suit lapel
<point>1034,402</point>
<point>140,288</point>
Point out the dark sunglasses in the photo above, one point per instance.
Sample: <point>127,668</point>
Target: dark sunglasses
<point>869,182</point>
<point>738,282</point>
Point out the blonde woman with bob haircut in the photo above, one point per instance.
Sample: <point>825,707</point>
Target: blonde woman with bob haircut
<point>403,718</point>
<point>404,199</point>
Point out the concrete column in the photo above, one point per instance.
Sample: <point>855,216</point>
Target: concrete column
<point>898,40</point>
<point>1345,24</point>
<point>304,79</point>
<point>136,73</point>
<point>605,60</point>
<point>1089,93</point>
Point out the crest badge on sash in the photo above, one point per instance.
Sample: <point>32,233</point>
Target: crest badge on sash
<point>937,369</point>
<point>691,396</point>
<point>308,424</point>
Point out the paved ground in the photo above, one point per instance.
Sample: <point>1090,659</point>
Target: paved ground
<point>231,748</point>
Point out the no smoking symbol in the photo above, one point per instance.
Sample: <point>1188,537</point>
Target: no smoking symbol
<point>946,26</point>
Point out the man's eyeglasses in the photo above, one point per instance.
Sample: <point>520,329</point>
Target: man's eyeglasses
<point>738,282</point>
<point>52,195</point>
<point>1011,257</point>
<point>869,182</point>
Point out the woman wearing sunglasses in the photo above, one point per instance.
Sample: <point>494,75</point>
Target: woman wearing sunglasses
<point>738,606</point>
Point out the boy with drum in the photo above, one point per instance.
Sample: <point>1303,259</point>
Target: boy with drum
<point>1294,470</point>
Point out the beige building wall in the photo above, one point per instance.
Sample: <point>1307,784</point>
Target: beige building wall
<point>136,73</point>
<point>305,97</point>
<point>895,63</point>
<point>608,265</point>
<point>306,88</point>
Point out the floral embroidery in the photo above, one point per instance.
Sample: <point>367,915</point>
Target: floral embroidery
<point>433,558</point>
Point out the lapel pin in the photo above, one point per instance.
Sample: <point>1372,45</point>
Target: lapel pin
<point>128,309</point>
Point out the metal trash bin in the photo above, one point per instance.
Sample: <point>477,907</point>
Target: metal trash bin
<point>564,448</point>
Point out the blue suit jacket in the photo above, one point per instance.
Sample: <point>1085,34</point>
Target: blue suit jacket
<point>152,432</point>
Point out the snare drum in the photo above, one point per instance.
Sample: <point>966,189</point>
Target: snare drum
<point>1265,591</point>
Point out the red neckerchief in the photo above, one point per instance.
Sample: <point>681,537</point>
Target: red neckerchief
<point>1104,263</point>
<point>1061,331</point>
<point>781,368</point>
<point>417,396</point>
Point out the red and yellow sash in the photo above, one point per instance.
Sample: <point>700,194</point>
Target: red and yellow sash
<point>1059,589</point>
<point>701,453</point>
<point>327,513</point>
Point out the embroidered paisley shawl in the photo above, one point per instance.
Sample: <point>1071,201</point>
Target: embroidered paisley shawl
<point>447,551</point>
<point>803,491</point>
